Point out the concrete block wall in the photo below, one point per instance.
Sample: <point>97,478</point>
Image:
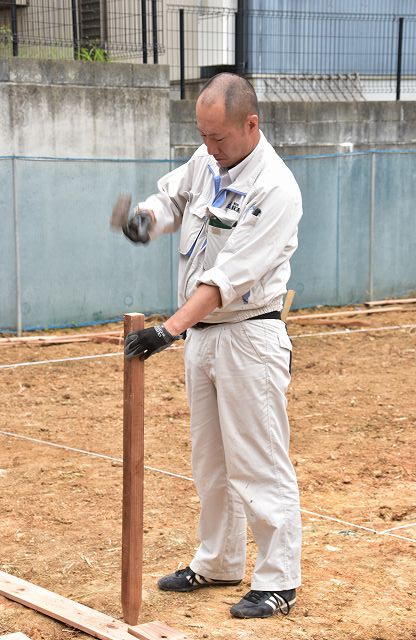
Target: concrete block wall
<point>95,110</point>
<point>307,128</point>
<point>86,110</point>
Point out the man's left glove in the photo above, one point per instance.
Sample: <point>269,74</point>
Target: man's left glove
<point>146,342</point>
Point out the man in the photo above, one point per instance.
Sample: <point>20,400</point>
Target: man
<point>238,206</point>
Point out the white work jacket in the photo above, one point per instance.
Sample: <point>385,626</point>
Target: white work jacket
<point>240,238</point>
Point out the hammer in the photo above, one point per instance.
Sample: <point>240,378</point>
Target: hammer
<point>136,228</point>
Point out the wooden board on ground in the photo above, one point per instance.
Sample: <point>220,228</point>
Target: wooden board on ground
<point>155,631</point>
<point>72,613</point>
<point>44,341</point>
<point>376,303</point>
<point>355,312</point>
<point>15,636</point>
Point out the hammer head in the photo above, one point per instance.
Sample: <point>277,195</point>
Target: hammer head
<point>121,210</point>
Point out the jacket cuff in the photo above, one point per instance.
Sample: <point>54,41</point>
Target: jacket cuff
<point>217,278</point>
<point>156,228</point>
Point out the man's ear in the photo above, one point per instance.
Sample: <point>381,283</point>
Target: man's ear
<point>253,121</point>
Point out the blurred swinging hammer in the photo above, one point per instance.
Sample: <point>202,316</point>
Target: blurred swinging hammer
<point>136,227</point>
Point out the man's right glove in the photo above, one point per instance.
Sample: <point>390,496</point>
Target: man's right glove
<point>146,342</point>
<point>137,228</point>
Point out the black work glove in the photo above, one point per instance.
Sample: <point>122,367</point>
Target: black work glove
<point>146,342</point>
<point>137,228</point>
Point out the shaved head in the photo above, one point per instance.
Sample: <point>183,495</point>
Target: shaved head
<point>234,92</point>
<point>227,118</point>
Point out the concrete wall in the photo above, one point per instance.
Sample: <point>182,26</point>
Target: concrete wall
<point>73,135</point>
<point>309,128</point>
<point>76,109</point>
<point>60,263</point>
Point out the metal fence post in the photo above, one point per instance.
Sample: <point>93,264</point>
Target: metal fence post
<point>144,31</point>
<point>399,58</point>
<point>13,19</point>
<point>75,37</point>
<point>103,26</point>
<point>17,250</point>
<point>240,37</point>
<point>182,52</point>
<point>154,31</point>
<point>372,213</point>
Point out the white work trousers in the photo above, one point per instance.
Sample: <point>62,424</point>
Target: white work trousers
<point>237,375</point>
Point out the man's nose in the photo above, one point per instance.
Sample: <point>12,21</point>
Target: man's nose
<point>212,148</point>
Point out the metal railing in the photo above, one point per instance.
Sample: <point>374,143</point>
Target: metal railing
<point>73,29</point>
<point>294,55</point>
<point>287,55</point>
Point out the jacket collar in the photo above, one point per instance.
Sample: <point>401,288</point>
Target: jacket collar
<point>244,174</point>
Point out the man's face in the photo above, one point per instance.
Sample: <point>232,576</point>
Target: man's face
<point>228,141</point>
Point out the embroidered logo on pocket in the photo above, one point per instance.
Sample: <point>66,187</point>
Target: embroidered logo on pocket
<point>233,206</point>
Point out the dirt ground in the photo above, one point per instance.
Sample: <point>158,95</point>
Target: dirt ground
<point>352,410</point>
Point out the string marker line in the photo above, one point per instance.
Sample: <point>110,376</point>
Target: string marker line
<point>177,475</point>
<point>178,348</point>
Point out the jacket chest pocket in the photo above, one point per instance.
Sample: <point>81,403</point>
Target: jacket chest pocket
<point>193,224</point>
<point>220,227</point>
<point>216,241</point>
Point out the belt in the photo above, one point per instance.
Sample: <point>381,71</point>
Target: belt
<point>272,315</point>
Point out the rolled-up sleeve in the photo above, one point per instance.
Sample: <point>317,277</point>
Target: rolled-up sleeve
<point>259,244</point>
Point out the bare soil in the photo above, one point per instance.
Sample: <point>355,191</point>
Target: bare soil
<point>352,409</point>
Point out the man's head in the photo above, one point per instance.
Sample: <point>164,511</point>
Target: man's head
<point>227,118</point>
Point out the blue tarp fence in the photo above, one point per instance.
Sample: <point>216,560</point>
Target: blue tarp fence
<point>61,265</point>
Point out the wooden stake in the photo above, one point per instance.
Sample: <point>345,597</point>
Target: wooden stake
<point>287,304</point>
<point>133,472</point>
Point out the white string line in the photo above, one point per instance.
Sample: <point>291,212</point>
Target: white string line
<point>358,526</point>
<point>393,535</point>
<point>177,475</point>
<point>88,453</point>
<point>402,526</point>
<point>98,355</point>
<point>350,524</point>
<point>177,348</point>
<point>36,362</point>
<point>107,355</point>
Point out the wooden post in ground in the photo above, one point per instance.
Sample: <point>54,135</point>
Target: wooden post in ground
<point>133,471</point>
<point>287,304</point>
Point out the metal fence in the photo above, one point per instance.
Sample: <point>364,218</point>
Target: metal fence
<point>359,52</point>
<point>288,55</point>
<point>292,55</point>
<point>94,30</point>
<point>356,238</point>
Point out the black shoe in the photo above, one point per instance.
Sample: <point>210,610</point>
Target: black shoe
<point>188,580</point>
<point>263,604</point>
